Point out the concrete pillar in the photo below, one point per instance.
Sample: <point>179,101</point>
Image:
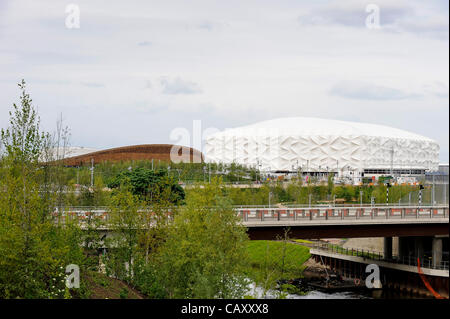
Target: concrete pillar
<point>387,251</point>
<point>395,246</point>
<point>437,251</point>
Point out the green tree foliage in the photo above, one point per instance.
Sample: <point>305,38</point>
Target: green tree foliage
<point>33,250</point>
<point>330,183</point>
<point>204,255</point>
<point>149,184</point>
<point>124,223</point>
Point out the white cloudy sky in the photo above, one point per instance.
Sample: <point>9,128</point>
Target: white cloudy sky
<point>135,70</point>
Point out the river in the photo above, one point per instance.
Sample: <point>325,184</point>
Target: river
<point>258,292</point>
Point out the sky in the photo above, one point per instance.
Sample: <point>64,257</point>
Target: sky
<point>136,71</point>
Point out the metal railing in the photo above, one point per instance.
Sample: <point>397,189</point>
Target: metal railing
<point>249,214</point>
<point>262,214</point>
<point>379,256</point>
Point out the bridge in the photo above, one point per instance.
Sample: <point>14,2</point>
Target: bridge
<point>345,222</point>
<point>318,222</point>
<point>422,231</point>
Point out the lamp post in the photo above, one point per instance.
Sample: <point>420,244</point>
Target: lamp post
<point>259,170</point>
<point>433,197</point>
<point>360,197</point>
<point>92,173</point>
<point>420,194</point>
<point>337,168</point>
<point>387,193</point>
<point>179,173</point>
<point>307,169</point>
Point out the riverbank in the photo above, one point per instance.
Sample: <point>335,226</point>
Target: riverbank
<point>272,262</point>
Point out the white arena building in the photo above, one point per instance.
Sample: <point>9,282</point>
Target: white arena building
<point>317,147</point>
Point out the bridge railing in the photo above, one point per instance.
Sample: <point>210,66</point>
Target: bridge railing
<point>425,262</point>
<point>262,214</point>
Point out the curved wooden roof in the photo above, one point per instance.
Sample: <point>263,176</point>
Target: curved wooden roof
<point>139,152</point>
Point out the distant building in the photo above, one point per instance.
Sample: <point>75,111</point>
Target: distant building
<point>162,152</point>
<point>317,147</point>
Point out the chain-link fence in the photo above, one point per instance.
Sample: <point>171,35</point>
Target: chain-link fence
<point>431,195</point>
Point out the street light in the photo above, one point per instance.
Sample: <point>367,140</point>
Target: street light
<point>388,185</point>
<point>360,197</point>
<point>209,169</point>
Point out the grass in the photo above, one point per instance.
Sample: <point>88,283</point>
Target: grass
<point>266,260</point>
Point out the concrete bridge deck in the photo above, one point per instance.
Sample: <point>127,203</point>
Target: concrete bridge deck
<point>345,222</point>
<point>327,222</point>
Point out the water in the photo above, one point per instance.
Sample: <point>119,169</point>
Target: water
<point>258,292</point>
<point>315,294</point>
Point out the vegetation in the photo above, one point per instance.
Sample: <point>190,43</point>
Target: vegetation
<point>204,255</point>
<point>34,250</point>
<point>272,261</point>
<point>149,184</point>
<point>296,193</point>
<point>164,241</point>
<point>100,286</point>
<point>196,252</point>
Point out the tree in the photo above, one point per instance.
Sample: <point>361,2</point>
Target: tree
<point>149,184</point>
<point>330,183</point>
<point>33,250</point>
<point>204,255</point>
<point>124,223</point>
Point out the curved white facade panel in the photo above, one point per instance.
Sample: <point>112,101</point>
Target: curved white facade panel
<point>322,145</point>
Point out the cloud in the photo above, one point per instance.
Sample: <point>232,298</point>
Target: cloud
<point>159,65</point>
<point>206,26</point>
<point>437,89</point>
<point>92,84</point>
<point>353,13</point>
<point>437,28</point>
<point>179,86</point>
<point>398,17</point>
<point>367,91</point>
<point>144,44</point>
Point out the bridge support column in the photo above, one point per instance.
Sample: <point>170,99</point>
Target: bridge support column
<point>387,251</point>
<point>437,251</point>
